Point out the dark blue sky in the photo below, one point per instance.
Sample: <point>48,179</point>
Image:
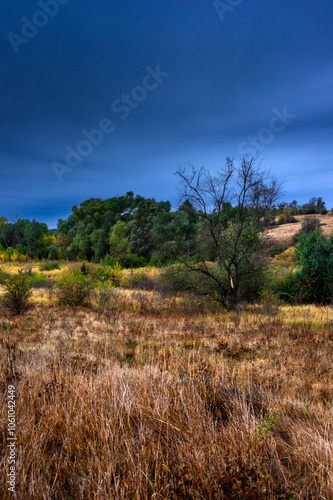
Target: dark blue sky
<point>229,72</point>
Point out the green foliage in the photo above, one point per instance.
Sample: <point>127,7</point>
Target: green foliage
<point>126,261</point>
<point>267,423</point>
<point>119,242</point>
<point>49,266</point>
<point>11,254</point>
<point>131,261</point>
<point>38,280</point>
<point>73,288</point>
<point>287,288</point>
<point>309,226</point>
<point>112,274</point>
<point>314,254</point>
<point>53,252</point>
<point>26,236</point>
<point>116,273</point>
<point>18,293</point>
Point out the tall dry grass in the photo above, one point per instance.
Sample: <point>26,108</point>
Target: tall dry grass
<point>169,398</point>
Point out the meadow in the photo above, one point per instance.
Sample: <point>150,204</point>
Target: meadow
<point>159,394</point>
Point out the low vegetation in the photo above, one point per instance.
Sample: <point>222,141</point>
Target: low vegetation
<point>152,393</point>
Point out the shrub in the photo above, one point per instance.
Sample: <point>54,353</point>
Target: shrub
<point>310,225</point>
<point>180,278</point>
<point>126,261</point>
<point>132,261</point>
<point>101,274</point>
<point>287,288</point>
<point>18,293</point>
<point>315,255</point>
<point>114,274</point>
<point>73,288</point>
<point>282,219</point>
<point>108,261</point>
<point>49,266</point>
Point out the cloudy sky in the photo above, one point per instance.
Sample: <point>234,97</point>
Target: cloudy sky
<point>100,98</point>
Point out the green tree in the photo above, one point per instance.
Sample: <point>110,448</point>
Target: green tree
<point>119,242</point>
<point>142,223</point>
<point>314,255</point>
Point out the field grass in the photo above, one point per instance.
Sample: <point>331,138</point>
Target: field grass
<point>166,396</point>
<point>286,232</point>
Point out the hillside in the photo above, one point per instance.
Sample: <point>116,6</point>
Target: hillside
<point>285,232</point>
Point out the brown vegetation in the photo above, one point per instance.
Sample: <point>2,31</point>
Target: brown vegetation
<point>166,396</point>
<point>286,232</point>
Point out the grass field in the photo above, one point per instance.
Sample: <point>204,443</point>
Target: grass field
<point>286,232</point>
<point>164,395</point>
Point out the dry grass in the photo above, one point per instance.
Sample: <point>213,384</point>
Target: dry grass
<point>168,397</point>
<point>286,232</point>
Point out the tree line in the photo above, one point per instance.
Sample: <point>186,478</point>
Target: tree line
<point>140,230</point>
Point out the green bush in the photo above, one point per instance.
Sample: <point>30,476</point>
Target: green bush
<point>314,254</point>
<point>309,226</point>
<point>128,261</point>
<point>108,261</point>
<point>18,293</point>
<point>49,266</point>
<point>287,288</point>
<point>73,288</point>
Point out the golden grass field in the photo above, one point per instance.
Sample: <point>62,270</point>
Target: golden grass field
<point>167,396</point>
<point>285,232</point>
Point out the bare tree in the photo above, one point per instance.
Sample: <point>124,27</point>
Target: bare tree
<point>230,206</point>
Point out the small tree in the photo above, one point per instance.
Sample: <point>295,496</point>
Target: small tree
<point>314,253</point>
<point>230,207</point>
<point>18,293</point>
